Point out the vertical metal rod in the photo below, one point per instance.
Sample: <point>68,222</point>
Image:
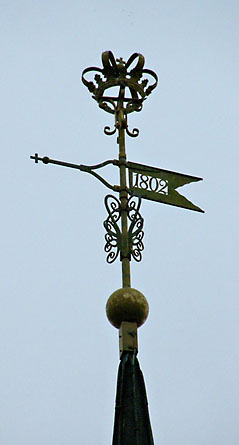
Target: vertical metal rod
<point>125,255</point>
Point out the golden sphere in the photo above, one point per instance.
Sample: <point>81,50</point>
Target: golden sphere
<point>127,304</point>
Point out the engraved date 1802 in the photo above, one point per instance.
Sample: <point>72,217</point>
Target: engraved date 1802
<point>151,183</point>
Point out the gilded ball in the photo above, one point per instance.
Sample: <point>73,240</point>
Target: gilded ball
<point>127,304</point>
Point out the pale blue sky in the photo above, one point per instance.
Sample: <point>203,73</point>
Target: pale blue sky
<point>59,354</point>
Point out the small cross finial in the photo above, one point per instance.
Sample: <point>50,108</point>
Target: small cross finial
<point>45,160</point>
<point>121,62</point>
<point>36,158</point>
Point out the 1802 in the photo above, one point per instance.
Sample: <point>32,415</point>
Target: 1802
<point>150,183</point>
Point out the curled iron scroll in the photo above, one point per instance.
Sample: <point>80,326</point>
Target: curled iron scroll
<point>113,233</point>
<point>113,236</point>
<point>134,133</point>
<point>107,104</point>
<point>135,232</point>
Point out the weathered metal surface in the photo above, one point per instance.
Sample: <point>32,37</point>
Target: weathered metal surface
<point>132,423</point>
<point>84,168</point>
<point>114,235</point>
<point>132,81</point>
<point>145,181</point>
<point>135,232</point>
<point>128,340</point>
<point>124,224</point>
<point>130,75</point>
<point>160,185</point>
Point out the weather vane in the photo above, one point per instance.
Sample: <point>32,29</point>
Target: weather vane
<point>127,308</point>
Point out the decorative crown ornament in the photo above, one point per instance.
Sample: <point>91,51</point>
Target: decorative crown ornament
<point>131,79</point>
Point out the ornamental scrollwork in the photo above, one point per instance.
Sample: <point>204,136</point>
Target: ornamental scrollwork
<point>113,236</point>
<point>132,82</point>
<point>113,232</point>
<point>130,75</point>
<point>135,231</point>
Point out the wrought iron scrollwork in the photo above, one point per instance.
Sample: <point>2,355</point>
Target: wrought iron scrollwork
<point>135,231</point>
<point>108,131</point>
<point>131,79</point>
<point>133,105</point>
<point>113,236</point>
<point>107,104</point>
<point>134,133</point>
<point>113,232</point>
<point>116,73</point>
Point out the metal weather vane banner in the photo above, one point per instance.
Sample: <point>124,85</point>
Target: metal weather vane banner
<point>160,185</point>
<point>127,308</point>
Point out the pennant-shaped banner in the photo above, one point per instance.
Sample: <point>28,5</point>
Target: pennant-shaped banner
<point>160,185</point>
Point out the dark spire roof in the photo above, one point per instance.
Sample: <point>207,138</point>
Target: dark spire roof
<point>132,423</point>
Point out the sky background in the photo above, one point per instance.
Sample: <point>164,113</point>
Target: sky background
<point>59,354</point>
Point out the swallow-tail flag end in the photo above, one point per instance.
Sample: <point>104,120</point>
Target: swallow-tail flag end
<point>160,185</point>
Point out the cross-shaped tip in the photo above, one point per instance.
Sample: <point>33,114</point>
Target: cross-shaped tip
<point>35,157</point>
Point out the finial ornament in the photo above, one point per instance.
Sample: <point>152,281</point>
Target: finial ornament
<point>130,76</point>
<point>127,304</point>
<point>127,308</point>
